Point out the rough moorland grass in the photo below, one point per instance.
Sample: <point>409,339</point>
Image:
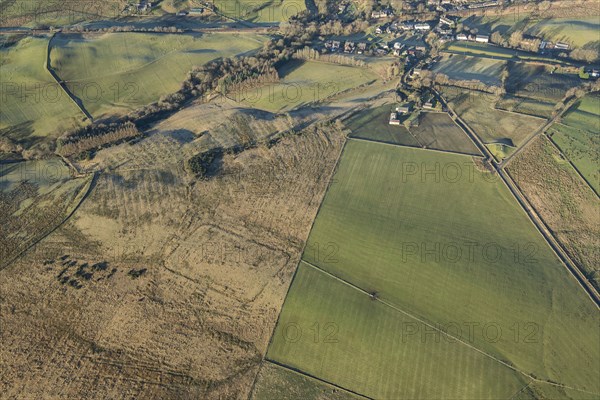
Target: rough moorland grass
<point>305,82</point>
<point>117,72</point>
<point>32,104</point>
<point>262,10</point>
<point>337,333</point>
<point>564,201</point>
<point>490,124</point>
<point>459,67</point>
<point>579,139</point>
<point>431,234</point>
<point>275,382</point>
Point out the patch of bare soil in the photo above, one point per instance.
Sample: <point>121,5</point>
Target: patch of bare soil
<point>162,285</point>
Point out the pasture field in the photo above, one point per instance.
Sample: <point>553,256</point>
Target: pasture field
<point>523,105</point>
<point>504,24</point>
<point>578,138</point>
<point>117,72</point>
<point>260,11</point>
<point>493,52</point>
<point>438,131</point>
<point>338,333</point>
<point>499,150</point>
<point>459,67</point>
<point>32,105</point>
<point>492,125</point>
<point>563,200</point>
<point>537,82</point>
<point>585,114</point>
<point>576,31</point>
<point>373,124</point>
<point>306,82</point>
<point>275,382</point>
<point>33,13</point>
<point>397,222</point>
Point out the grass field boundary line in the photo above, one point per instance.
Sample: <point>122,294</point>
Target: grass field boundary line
<point>522,200</point>
<point>299,371</point>
<point>553,143</point>
<point>421,320</point>
<point>539,131</point>
<point>84,193</point>
<point>287,292</point>
<point>61,83</point>
<point>520,390</point>
<point>552,241</point>
<point>414,147</point>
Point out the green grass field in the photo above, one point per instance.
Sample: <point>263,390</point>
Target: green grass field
<point>579,139</point>
<point>373,124</point>
<point>306,82</point>
<point>32,105</point>
<point>399,222</point>
<point>438,131</point>
<point>114,73</point>
<point>331,330</point>
<point>459,67</point>
<point>491,125</point>
<point>577,31</point>
<point>496,53</point>
<point>260,11</point>
<point>537,82</point>
<point>525,105</point>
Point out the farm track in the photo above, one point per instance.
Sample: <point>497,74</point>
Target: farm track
<point>533,215</point>
<point>452,337</point>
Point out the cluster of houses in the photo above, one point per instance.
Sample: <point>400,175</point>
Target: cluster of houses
<point>347,47</point>
<point>454,5</point>
<point>139,8</point>
<point>473,38</point>
<point>405,26</point>
<point>395,115</point>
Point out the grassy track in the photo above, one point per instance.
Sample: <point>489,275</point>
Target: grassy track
<point>117,72</point>
<point>432,235</point>
<point>32,104</point>
<point>336,332</point>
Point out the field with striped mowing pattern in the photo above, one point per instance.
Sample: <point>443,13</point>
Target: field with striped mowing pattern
<point>378,228</point>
